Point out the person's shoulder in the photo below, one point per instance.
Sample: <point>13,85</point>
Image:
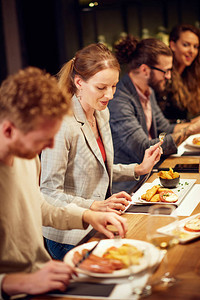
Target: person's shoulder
<point>68,129</point>
<point>68,119</point>
<point>68,123</point>
<point>125,88</point>
<point>123,82</point>
<point>24,165</point>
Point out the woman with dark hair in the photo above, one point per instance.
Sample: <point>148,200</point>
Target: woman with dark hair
<point>80,168</point>
<point>181,99</point>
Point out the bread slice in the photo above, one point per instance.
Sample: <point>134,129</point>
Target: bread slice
<point>193,224</point>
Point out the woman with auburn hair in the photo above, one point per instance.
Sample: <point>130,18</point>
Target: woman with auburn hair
<point>181,99</point>
<point>80,168</point>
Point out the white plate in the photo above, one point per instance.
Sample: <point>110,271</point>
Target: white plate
<point>149,250</point>
<point>184,235</point>
<point>181,190</point>
<point>190,139</point>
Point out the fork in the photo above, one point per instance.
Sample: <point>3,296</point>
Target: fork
<point>162,136</point>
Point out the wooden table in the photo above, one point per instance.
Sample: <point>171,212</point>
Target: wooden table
<point>183,260</point>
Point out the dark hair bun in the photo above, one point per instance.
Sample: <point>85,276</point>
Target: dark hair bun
<point>125,48</point>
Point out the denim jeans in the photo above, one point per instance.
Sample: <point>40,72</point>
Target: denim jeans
<point>57,250</point>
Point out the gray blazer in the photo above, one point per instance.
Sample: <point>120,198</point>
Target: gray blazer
<point>74,170</point>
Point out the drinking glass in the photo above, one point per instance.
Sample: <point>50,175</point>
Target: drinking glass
<point>160,216</point>
<point>139,282</point>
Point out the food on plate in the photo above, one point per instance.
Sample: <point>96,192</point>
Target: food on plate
<point>160,194</point>
<point>114,258</point>
<point>127,254</point>
<point>169,179</point>
<point>96,263</point>
<point>196,141</point>
<point>163,189</point>
<point>168,196</point>
<point>155,198</point>
<point>168,174</point>
<point>150,193</point>
<point>193,224</point>
<point>181,234</point>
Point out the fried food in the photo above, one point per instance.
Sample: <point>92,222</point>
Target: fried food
<point>163,189</point>
<point>115,258</point>
<point>155,194</point>
<point>155,198</point>
<point>196,141</point>
<point>150,193</point>
<point>168,174</point>
<point>127,254</point>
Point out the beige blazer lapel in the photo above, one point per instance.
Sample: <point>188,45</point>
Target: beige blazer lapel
<point>86,129</point>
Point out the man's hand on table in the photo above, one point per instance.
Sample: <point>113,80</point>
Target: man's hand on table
<point>100,220</point>
<point>55,275</point>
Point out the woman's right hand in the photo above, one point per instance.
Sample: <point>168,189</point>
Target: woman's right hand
<point>151,157</point>
<point>116,203</point>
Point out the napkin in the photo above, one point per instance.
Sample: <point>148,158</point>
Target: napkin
<point>91,289</point>
<point>110,288</point>
<point>98,290</point>
<point>190,202</point>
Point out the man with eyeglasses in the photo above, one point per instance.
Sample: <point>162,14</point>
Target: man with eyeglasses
<point>135,117</point>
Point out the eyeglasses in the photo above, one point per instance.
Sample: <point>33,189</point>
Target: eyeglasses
<point>163,71</point>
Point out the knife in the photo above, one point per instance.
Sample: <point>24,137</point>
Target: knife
<point>86,255</point>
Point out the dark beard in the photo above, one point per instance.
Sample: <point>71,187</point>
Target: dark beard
<point>154,84</point>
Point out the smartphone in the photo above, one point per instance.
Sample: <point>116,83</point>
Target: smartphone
<point>186,168</point>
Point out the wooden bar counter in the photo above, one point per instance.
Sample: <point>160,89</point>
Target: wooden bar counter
<point>183,259</point>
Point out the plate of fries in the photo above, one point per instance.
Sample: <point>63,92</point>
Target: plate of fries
<point>148,193</point>
<point>133,253</point>
<point>168,174</point>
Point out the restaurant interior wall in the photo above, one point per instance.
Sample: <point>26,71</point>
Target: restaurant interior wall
<point>51,31</point>
<point>141,18</point>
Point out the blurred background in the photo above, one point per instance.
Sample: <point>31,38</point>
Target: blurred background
<point>47,33</point>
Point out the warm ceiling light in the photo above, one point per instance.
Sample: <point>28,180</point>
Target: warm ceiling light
<point>96,3</point>
<point>91,4</point>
